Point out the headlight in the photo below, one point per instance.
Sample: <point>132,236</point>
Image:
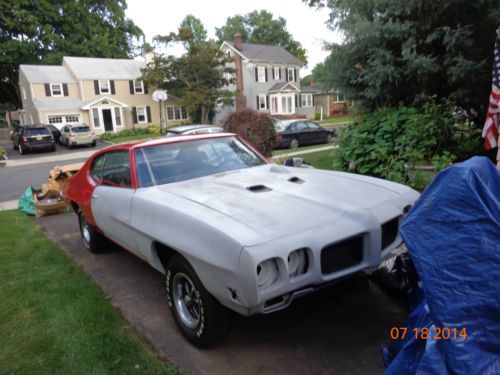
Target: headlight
<point>297,263</point>
<point>267,273</point>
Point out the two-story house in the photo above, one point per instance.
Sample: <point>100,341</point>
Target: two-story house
<point>267,78</point>
<point>107,94</point>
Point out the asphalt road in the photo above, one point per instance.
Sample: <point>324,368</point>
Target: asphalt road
<point>338,331</point>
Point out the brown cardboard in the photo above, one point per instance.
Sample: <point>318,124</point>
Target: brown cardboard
<point>49,203</point>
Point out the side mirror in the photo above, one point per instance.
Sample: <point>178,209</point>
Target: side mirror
<point>296,162</point>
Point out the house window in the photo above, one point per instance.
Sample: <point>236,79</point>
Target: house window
<point>261,74</point>
<point>141,115</point>
<point>104,87</point>
<point>262,101</point>
<point>72,119</point>
<point>176,113</point>
<point>56,89</point>
<point>118,117</point>
<point>274,104</point>
<point>53,120</point>
<point>277,73</point>
<point>338,98</point>
<point>138,86</point>
<point>95,117</point>
<point>306,100</point>
<point>291,75</point>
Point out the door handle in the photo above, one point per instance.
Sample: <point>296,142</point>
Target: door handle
<point>94,196</point>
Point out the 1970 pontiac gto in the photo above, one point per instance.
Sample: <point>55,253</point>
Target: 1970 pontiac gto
<point>228,228</point>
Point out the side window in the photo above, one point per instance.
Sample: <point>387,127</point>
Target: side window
<point>96,169</point>
<point>314,126</point>
<point>116,170</point>
<point>301,126</point>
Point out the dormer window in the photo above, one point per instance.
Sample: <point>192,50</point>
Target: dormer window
<point>56,89</point>
<point>291,75</point>
<point>138,86</point>
<point>277,73</point>
<point>104,87</point>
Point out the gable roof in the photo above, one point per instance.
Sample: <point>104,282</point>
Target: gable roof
<point>283,86</point>
<point>265,53</point>
<point>101,68</point>
<point>46,73</point>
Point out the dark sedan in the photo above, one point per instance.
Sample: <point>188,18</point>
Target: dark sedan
<point>295,133</point>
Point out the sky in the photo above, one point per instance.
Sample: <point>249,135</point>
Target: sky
<point>307,25</point>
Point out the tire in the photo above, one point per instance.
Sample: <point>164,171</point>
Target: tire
<point>14,147</point>
<point>92,240</point>
<point>93,144</point>
<point>329,138</point>
<point>294,143</point>
<point>200,317</point>
<point>53,149</point>
<point>68,145</point>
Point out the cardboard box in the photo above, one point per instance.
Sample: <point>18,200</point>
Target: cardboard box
<point>49,203</point>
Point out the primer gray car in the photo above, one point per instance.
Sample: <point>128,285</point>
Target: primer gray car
<point>231,230</point>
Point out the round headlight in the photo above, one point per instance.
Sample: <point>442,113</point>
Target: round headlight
<point>267,273</point>
<point>297,262</point>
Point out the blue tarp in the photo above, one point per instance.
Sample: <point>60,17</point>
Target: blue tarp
<point>453,237</point>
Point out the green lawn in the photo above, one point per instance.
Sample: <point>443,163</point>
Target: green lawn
<point>53,317</point>
<point>337,120</point>
<point>320,160</point>
<point>290,150</point>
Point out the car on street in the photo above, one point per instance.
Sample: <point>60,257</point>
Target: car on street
<point>295,133</point>
<point>27,138</point>
<point>77,135</point>
<point>230,229</point>
<point>193,130</point>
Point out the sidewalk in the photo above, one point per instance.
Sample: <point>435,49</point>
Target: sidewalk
<point>9,205</point>
<point>49,159</point>
<point>297,153</point>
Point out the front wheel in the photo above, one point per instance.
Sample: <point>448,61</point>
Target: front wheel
<point>200,317</point>
<point>294,143</point>
<point>92,240</point>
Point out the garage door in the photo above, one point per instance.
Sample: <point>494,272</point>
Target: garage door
<point>60,120</point>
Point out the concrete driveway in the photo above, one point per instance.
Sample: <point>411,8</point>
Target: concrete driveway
<point>338,331</point>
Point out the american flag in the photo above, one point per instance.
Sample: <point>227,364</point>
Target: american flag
<point>490,130</point>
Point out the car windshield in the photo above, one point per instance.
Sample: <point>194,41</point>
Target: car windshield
<point>80,129</point>
<point>32,132</point>
<point>174,162</point>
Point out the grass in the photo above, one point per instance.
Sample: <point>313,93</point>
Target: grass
<point>53,317</point>
<point>337,120</point>
<point>320,160</point>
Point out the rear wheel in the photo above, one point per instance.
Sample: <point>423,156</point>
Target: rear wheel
<point>93,144</point>
<point>92,240</point>
<point>199,316</point>
<point>68,144</point>
<point>294,143</point>
<point>329,138</point>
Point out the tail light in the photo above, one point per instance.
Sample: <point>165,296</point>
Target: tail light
<point>71,135</point>
<point>279,137</point>
<point>24,138</point>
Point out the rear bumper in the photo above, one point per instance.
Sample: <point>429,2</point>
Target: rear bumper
<point>78,142</point>
<point>35,146</point>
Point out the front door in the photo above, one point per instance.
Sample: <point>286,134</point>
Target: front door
<point>107,119</point>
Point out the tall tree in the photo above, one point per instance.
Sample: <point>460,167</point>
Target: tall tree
<point>43,31</point>
<point>199,77</point>
<point>261,27</point>
<point>407,51</point>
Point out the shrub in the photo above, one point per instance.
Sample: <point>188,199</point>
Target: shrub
<point>317,116</point>
<point>256,127</point>
<point>380,143</point>
<point>151,129</point>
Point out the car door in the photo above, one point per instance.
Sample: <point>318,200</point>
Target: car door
<point>111,201</point>
<point>317,133</point>
<point>303,133</point>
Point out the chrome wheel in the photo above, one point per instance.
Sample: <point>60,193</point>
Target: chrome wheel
<point>294,143</point>
<point>186,300</point>
<point>85,230</point>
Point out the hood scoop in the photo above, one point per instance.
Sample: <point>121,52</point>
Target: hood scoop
<point>296,180</point>
<point>258,188</point>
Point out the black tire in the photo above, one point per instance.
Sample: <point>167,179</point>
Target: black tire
<point>329,138</point>
<point>93,144</point>
<point>14,146</point>
<point>92,240</point>
<point>294,143</point>
<point>68,145</point>
<point>209,319</point>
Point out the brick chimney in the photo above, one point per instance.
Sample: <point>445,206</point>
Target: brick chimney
<point>238,44</point>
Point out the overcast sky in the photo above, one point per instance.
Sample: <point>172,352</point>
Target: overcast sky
<point>306,24</point>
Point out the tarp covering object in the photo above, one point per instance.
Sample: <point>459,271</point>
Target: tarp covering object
<point>26,201</point>
<point>453,237</point>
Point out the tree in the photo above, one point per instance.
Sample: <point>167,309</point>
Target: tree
<point>199,77</point>
<point>407,51</point>
<point>261,27</point>
<point>43,31</point>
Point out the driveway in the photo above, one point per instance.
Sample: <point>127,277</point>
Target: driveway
<point>338,331</point>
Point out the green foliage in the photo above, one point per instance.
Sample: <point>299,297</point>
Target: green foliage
<point>380,143</point>
<point>261,27</point>
<point>317,116</point>
<point>3,152</point>
<point>199,77</point>
<point>43,31</point>
<point>307,80</point>
<point>407,51</point>
<point>256,127</point>
<point>151,129</point>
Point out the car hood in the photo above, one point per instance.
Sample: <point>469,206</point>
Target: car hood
<point>274,200</point>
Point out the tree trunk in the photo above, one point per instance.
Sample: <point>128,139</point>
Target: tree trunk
<point>204,115</point>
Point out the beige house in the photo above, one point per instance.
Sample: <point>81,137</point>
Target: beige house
<point>106,94</point>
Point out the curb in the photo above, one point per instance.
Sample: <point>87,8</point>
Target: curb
<point>9,205</point>
<point>311,151</point>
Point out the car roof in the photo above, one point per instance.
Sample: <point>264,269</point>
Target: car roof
<point>183,128</point>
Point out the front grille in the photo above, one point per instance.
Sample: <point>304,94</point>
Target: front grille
<point>389,232</point>
<point>342,255</point>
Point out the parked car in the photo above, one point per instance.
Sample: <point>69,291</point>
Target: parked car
<point>76,135</point>
<point>55,133</point>
<point>229,229</point>
<point>26,138</point>
<point>295,133</point>
<point>192,130</point>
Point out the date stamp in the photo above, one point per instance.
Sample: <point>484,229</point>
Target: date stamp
<point>424,333</point>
